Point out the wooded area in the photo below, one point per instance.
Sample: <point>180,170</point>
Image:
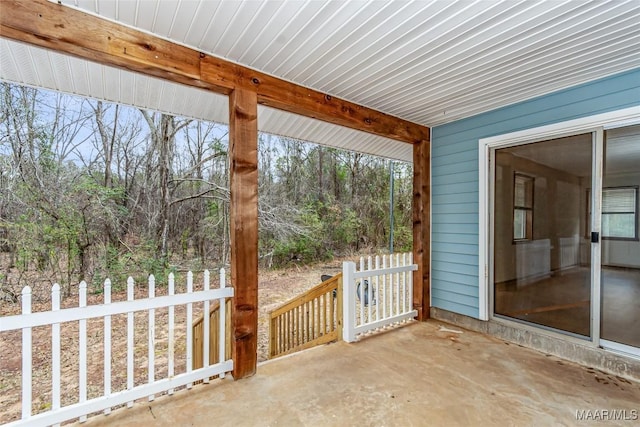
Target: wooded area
<point>91,190</point>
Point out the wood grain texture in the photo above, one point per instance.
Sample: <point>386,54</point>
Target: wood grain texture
<point>243,152</point>
<point>298,318</point>
<point>422,228</point>
<point>197,360</point>
<point>67,30</point>
<point>287,96</point>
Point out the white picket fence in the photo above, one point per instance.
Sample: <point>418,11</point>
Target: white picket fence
<point>57,413</point>
<point>377,294</point>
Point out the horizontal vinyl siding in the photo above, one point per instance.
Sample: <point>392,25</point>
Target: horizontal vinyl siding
<point>455,259</point>
<point>469,271</point>
<point>447,189</point>
<point>455,305</point>
<point>454,177</point>
<point>456,168</point>
<point>454,198</point>
<point>468,239</point>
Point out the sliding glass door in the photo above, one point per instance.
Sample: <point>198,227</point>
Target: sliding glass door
<point>541,241</point>
<point>620,255</point>
<point>560,229</point>
<point>566,235</point>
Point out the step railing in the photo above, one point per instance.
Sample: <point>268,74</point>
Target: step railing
<point>311,319</point>
<point>214,334</point>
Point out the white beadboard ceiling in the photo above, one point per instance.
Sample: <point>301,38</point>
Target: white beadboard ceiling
<point>430,62</point>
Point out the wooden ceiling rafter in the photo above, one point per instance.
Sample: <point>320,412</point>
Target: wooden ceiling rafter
<point>60,28</point>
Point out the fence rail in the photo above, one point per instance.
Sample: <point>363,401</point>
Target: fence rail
<point>57,413</point>
<point>377,294</point>
<point>310,319</point>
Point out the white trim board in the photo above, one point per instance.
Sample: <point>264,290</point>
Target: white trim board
<point>613,119</point>
<point>622,349</point>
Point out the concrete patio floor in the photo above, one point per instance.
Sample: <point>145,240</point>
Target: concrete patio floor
<point>421,374</point>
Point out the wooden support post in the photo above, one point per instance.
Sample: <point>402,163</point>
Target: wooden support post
<point>243,152</point>
<point>422,228</point>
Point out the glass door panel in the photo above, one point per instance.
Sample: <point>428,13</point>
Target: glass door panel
<point>620,257</point>
<point>542,250</point>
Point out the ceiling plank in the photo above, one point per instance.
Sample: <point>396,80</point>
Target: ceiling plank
<point>63,29</point>
<point>53,26</point>
<point>284,95</point>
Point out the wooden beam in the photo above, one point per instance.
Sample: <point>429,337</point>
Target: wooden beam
<point>287,96</point>
<point>422,228</point>
<point>64,29</point>
<point>243,152</point>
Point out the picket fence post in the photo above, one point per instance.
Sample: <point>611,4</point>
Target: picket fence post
<point>151,346</point>
<point>348,301</point>
<point>82,358</point>
<point>130,330</point>
<point>26,356</point>
<point>222,319</point>
<point>171,338</point>
<point>189,327</point>
<point>55,350</point>
<point>206,324</point>
<point>107,344</point>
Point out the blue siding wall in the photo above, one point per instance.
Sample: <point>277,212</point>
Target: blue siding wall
<point>454,173</point>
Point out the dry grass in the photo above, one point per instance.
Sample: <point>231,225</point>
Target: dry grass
<point>275,288</point>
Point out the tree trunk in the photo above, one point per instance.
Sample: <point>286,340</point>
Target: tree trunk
<point>165,142</point>
<point>320,166</point>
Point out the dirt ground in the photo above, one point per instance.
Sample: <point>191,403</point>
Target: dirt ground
<point>275,288</point>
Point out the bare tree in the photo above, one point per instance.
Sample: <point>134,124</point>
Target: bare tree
<point>89,189</point>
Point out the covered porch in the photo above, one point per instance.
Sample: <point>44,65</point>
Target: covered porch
<point>425,372</point>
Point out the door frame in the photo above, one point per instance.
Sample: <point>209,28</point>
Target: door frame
<point>595,124</point>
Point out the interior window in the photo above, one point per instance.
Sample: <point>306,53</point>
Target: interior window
<point>619,213</point>
<point>522,207</point>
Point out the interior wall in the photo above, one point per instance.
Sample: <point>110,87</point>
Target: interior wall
<point>556,215</point>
